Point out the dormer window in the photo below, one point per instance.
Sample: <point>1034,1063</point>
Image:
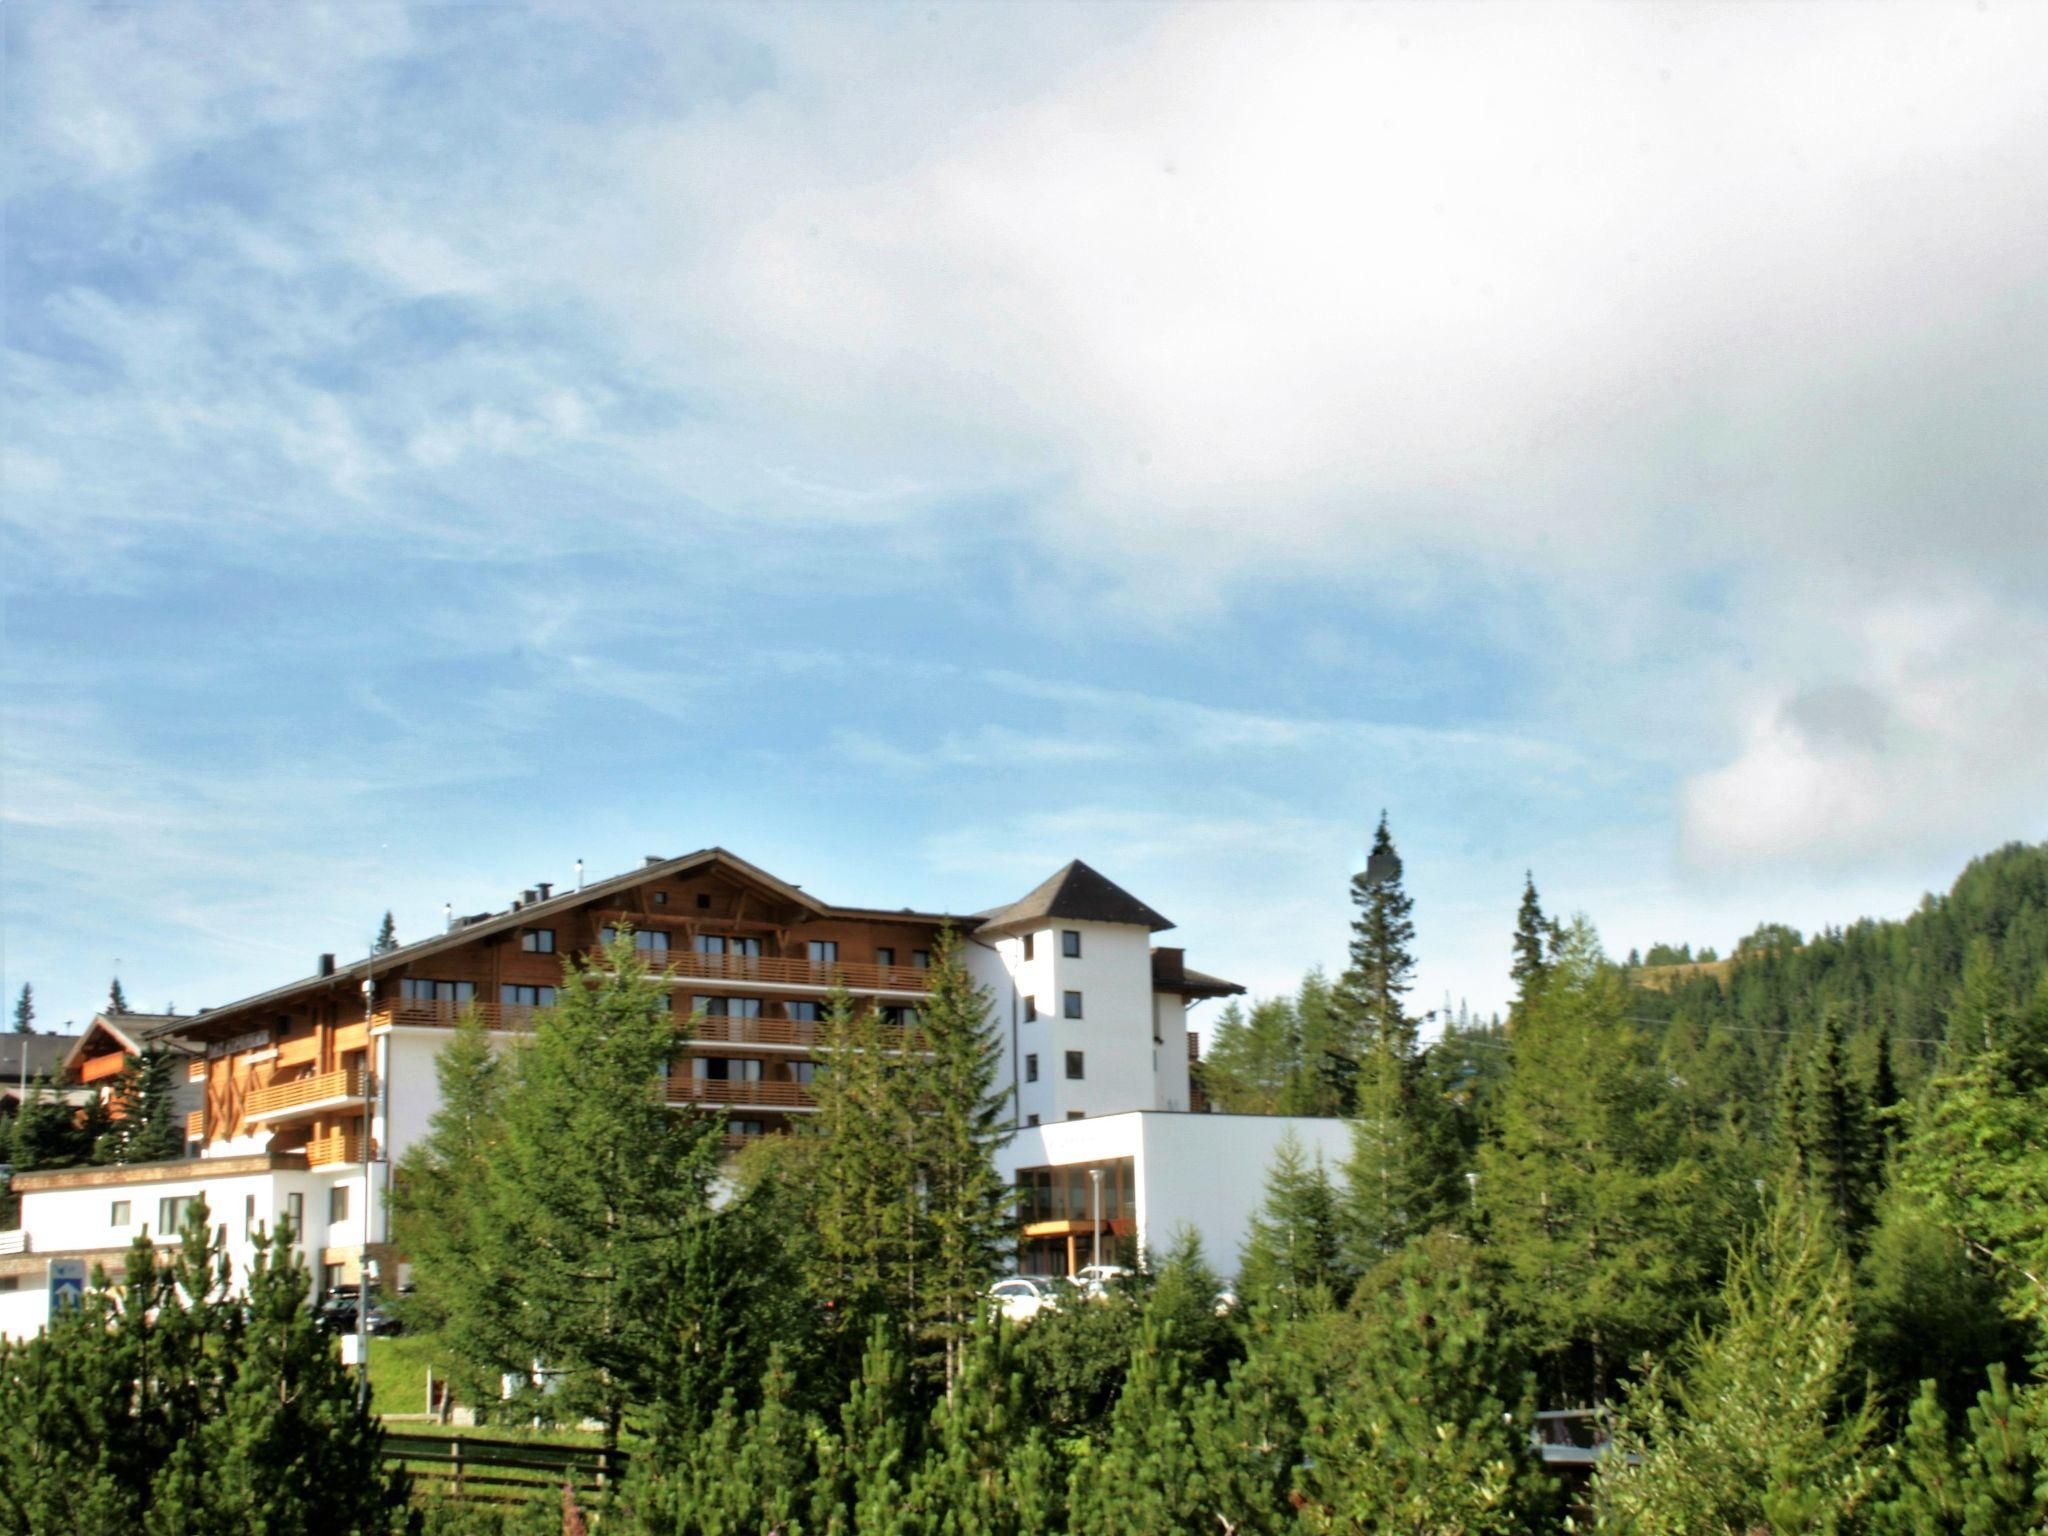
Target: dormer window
<point>538,941</point>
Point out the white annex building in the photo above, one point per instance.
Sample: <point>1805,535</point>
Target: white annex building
<point>310,1091</point>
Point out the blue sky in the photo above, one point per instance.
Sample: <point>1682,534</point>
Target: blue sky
<point>916,446</point>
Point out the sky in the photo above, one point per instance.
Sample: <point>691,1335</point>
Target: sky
<point>912,447</point>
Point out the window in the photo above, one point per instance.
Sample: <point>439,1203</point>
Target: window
<point>519,996</point>
<point>422,989</point>
<point>921,958</point>
<point>748,948</point>
<point>646,942</point>
<point>808,1013</point>
<point>725,1069</point>
<point>170,1214</point>
<point>120,1214</point>
<point>1030,946</point>
<point>703,901</point>
<point>1030,1009</point>
<point>746,1128</point>
<point>730,1007</point>
<point>1031,1119</point>
<point>884,955</point>
<point>1076,1068</point>
<point>1070,943</point>
<point>661,898</point>
<point>295,1212</point>
<point>823,951</point>
<point>337,1203</point>
<point>902,1018</point>
<point>1072,1007</point>
<point>248,1215</point>
<point>1077,1114</point>
<point>1031,1069</point>
<point>331,1277</point>
<point>538,941</point>
<point>803,1071</point>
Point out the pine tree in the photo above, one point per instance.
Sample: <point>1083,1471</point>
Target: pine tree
<point>1321,1042</point>
<point>1533,939</point>
<point>1884,1092</point>
<point>164,1404</point>
<point>1291,1251</point>
<point>597,1191</point>
<point>25,1011</point>
<point>1991,1482</point>
<point>143,1121</point>
<point>1148,1477</point>
<point>967,1206</point>
<point>47,1132</point>
<point>1596,1213</point>
<point>1253,1058</point>
<point>864,1470</point>
<point>1428,1425</point>
<point>1402,1176</point>
<point>987,1468</point>
<point>1752,1436</point>
<point>117,1000</point>
<point>387,936</point>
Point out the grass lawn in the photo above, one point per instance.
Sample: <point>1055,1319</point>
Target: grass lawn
<point>398,1384</point>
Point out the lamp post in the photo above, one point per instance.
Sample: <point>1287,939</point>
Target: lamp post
<point>363,1259</point>
<point>1095,1178</point>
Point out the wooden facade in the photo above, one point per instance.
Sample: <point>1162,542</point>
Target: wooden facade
<point>756,958</point>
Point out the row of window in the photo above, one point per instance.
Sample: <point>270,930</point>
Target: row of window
<point>654,942</point>
<point>1070,944</point>
<point>1077,1067</point>
<point>1070,1006</point>
<point>744,1069</point>
<point>171,1209</point>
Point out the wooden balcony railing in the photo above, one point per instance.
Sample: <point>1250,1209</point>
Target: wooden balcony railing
<point>774,970</point>
<point>715,1090</point>
<point>195,1125</point>
<point>340,1147</point>
<point>304,1092</point>
<point>446,1015</point>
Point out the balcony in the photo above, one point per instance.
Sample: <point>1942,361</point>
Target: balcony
<point>758,1094</point>
<point>792,975</point>
<point>330,1151</point>
<point>446,1015</point>
<point>301,1097</point>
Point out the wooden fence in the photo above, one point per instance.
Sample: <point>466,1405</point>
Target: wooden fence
<point>502,1471</point>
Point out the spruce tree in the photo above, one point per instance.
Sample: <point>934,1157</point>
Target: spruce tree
<point>967,1206</point>
<point>1292,1245</point>
<point>387,936</point>
<point>143,1122</point>
<point>25,1011</point>
<point>117,1000</point>
<point>1372,992</point>
<point>1403,1173</point>
<point>1533,939</point>
<point>1838,1150</point>
<point>1253,1057</point>
<point>1322,1051</point>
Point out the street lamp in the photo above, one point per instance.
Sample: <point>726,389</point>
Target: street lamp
<point>363,1258</point>
<point>1095,1178</point>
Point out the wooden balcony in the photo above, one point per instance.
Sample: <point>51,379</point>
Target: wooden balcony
<point>446,1015</point>
<point>302,1096</point>
<point>759,1095</point>
<point>328,1151</point>
<point>775,971</point>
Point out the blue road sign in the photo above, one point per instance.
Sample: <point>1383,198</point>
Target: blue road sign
<point>67,1284</point>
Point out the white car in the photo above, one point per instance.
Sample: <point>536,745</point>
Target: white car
<point>1100,1279</point>
<point>1020,1298</point>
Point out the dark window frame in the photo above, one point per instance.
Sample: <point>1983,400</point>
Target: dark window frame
<point>1077,1066</point>
<point>1070,1005</point>
<point>1070,943</point>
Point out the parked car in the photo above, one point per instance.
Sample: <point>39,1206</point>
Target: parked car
<point>1099,1279</point>
<point>1020,1298</point>
<point>1226,1302</point>
<point>338,1315</point>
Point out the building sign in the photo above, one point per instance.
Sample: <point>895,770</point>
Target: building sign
<point>248,1040</point>
<point>67,1284</point>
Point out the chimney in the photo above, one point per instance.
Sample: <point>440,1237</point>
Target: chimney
<point>650,858</point>
<point>546,889</point>
<point>326,967</point>
<point>447,917</point>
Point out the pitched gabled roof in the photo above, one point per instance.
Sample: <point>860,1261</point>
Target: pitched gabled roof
<point>129,1031</point>
<point>1078,894</point>
<point>535,912</point>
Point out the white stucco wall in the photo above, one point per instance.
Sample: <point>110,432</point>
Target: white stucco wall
<point>1204,1173</point>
